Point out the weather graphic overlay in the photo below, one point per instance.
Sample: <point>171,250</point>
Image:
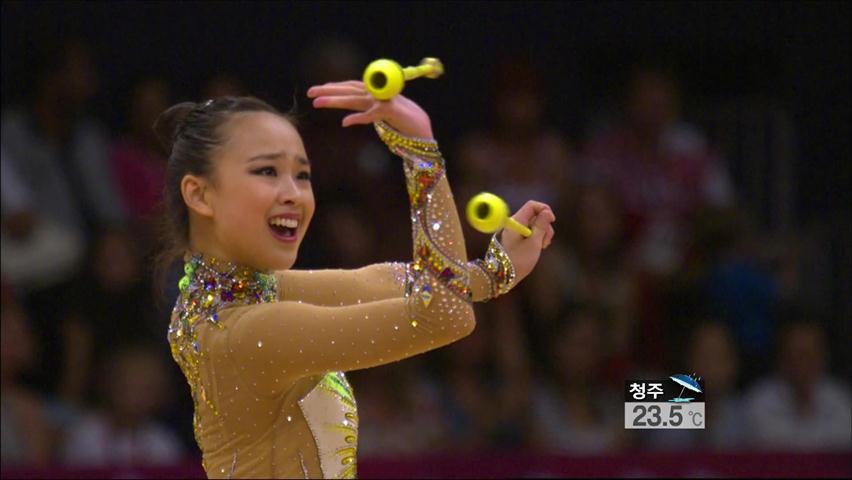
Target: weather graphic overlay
<point>674,402</point>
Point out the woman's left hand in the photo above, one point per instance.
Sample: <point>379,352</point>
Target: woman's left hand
<point>399,112</point>
<point>525,252</point>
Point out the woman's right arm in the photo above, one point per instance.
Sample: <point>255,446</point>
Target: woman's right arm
<point>379,281</point>
<point>283,341</point>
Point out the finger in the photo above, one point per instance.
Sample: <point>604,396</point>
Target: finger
<point>352,102</point>
<point>351,83</point>
<point>540,208</point>
<point>362,118</point>
<point>548,236</point>
<point>530,210</point>
<point>527,216</point>
<point>541,226</point>
<point>332,90</point>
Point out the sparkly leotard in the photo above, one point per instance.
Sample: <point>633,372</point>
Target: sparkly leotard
<point>264,352</point>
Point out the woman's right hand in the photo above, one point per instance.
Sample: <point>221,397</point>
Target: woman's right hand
<point>525,252</point>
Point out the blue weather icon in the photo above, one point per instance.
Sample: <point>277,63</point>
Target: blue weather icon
<point>685,381</point>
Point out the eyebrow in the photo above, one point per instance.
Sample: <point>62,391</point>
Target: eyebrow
<point>276,155</point>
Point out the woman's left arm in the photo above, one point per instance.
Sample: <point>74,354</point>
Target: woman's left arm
<point>381,281</point>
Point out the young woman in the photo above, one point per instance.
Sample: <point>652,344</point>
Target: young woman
<point>264,347</point>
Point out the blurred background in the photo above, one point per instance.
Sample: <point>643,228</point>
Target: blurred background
<point>697,156</point>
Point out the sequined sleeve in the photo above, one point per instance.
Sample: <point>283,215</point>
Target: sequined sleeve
<point>422,305</point>
<point>438,246</point>
<point>339,287</point>
<point>380,281</point>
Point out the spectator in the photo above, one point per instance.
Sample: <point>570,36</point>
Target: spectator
<point>711,354</point>
<point>36,250</point>
<point>518,156</point>
<point>574,412</point>
<point>485,399</point>
<point>801,407</point>
<point>59,154</point>
<point>661,169</point>
<point>347,241</point>
<point>59,151</point>
<point>399,412</point>
<point>587,267</point>
<point>222,85</point>
<point>371,173</point>
<point>114,305</point>
<point>733,285</point>
<point>662,172</point>
<point>27,437</point>
<point>126,433</point>
<point>138,159</point>
<point>17,219</point>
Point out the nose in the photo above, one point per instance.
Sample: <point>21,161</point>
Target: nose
<point>289,192</point>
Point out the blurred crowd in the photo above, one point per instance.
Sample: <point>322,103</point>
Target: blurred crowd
<point>656,269</point>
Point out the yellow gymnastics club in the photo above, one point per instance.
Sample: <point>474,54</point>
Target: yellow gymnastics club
<point>385,78</point>
<point>488,213</point>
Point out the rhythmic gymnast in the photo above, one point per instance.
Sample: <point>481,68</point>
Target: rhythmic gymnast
<point>264,348</point>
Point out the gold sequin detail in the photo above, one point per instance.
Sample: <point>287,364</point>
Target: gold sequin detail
<point>208,286</point>
<point>424,166</point>
<point>499,266</point>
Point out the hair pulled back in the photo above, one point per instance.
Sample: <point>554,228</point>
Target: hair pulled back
<point>190,131</point>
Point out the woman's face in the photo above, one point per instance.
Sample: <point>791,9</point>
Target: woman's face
<point>260,195</point>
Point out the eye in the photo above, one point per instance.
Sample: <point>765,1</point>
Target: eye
<point>266,171</point>
<point>304,176</point>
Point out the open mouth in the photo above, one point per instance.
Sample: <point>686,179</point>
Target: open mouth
<point>284,229</point>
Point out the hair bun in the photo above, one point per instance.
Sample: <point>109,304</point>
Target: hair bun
<point>170,121</point>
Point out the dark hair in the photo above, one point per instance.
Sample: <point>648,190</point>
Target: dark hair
<point>189,131</point>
